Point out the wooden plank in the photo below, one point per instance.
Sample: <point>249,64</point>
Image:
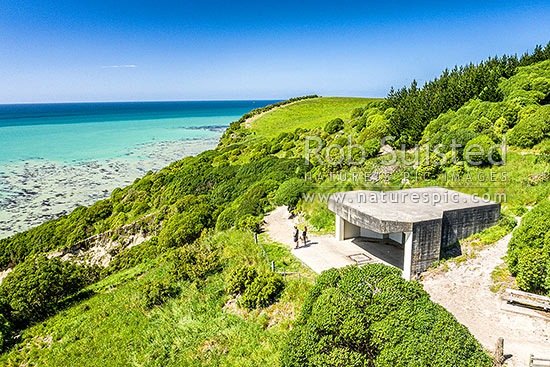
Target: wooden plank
<point>538,362</point>
<point>528,299</point>
<point>527,302</point>
<point>530,295</point>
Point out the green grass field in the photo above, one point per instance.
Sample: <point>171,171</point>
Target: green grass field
<point>309,113</point>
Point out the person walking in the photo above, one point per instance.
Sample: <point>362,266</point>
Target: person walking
<point>304,235</point>
<point>296,236</point>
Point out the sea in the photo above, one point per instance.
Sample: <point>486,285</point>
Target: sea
<point>55,157</point>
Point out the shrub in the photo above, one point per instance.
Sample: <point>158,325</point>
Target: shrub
<point>275,148</point>
<point>334,126</point>
<point>341,141</point>
<point>241,278</point>
<point>263,291</point>
<point>532,269</point>
<point>371,316</point>
<point>528,132</point>
<point>35,287</point>
<point>459,137</point>
<point>290,192</point>
<point>183,228</point>
<point>288,146</point>
<point>254,199</point>
<point>226,219</point>
<point>529,250</point>
<point>357,112</point>
<point>249,223</point>
<point>194,262</point>
<point>157,293</point>
<point>135,255</point>
<point>480,125</point>
<point>361,123</point>
<point>533,228</point>
<point>376,127</point>
<point>428,169</point>
<point>481,150</point>
<point>372,147</point>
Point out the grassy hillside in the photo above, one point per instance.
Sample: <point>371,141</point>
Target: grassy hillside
<point>192,329</point>
<point>306,114</point>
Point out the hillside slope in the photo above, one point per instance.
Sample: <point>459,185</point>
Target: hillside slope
<point>306,114</point>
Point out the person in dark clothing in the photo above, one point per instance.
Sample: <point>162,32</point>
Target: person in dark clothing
<point>304,235</point>
<point>296,236</point>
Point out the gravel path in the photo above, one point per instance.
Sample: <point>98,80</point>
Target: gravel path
<point>464,290</point>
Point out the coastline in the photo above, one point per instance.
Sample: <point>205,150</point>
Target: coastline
<point>40,190</point>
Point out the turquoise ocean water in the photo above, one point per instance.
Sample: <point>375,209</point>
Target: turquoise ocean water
<point>55,157</point>
<point>68,132</point>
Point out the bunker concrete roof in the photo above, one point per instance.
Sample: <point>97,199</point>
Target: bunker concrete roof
<point>398,210</point>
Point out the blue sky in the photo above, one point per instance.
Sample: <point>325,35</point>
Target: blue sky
<point>54,51</point>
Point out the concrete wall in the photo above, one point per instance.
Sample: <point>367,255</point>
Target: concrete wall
<point>397,237</point>
<point>426,245</point>
<point>459,224</point>
<point>407,253</point>
<point>345,229</point>
<point>370,234</point>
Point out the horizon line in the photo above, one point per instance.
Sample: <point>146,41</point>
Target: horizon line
<point>178,100</point>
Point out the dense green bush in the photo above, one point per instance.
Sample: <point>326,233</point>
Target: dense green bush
<point>481,150</point>
<point>183,228</point>
<point>249,223</point>
<point>334,126</point>
<point>429,167</point>
<point>533,228</point>
<point>341,141</point>
<point>157,293</point>
<point>372,147</point>
<point>360,124</point>
<point>290,192</point>
<point>530,130</point>
<point>529,250</point>
<point>226,219</point>
<point>377,126</point>
<point>276,148</point>
<point>533,267</point>
<point>263,291</point>
<point>371,316</point>
<point>426,171</point>
<point>194,262</point>
<point>357,112</point>
<point>241,278</point>
<point>135,255</point>
<point>35,287</point>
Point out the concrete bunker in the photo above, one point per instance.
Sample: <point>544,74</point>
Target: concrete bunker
<point>416,223</point>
